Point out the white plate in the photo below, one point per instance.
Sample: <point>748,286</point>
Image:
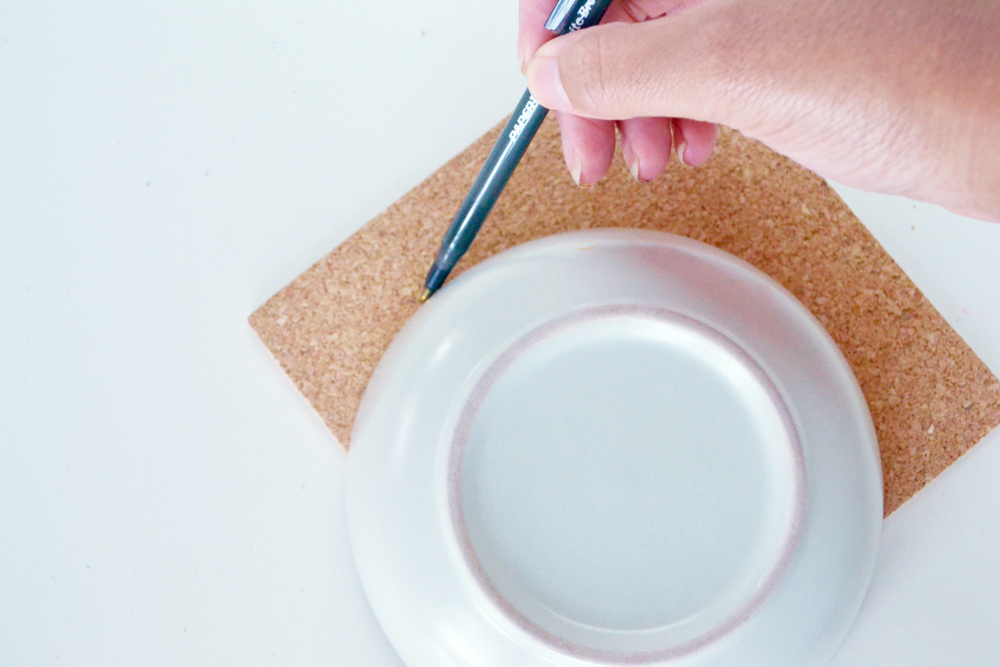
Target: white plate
<point>614,447</point>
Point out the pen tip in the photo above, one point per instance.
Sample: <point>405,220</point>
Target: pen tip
<point>426,295</point>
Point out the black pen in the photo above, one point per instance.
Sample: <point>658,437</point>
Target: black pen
<point>568,16</point>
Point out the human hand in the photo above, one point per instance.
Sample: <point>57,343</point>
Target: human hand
<point>900,96</point>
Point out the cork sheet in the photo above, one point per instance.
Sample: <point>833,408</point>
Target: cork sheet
<point>930,397</point>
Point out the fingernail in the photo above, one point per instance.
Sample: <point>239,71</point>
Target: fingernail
<point>631,159</point>
<point>576,169</point>
<point>520,56</point>
<point>681,149</point>
<point>546,85</point>
<point>573,161</point>
<point>634,170</point>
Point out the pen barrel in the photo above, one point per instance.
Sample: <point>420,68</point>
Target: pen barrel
<point>500,164</point>
<point>567,16</point>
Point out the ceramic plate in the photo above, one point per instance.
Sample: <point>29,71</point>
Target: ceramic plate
<point>614,447</point>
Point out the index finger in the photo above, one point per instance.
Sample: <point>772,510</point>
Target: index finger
<point>531,32</point>
<point>532,14</point>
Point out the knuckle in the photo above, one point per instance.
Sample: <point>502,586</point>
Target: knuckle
<point>591,67</point>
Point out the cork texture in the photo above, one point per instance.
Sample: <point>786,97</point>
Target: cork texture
<point>930,397</point>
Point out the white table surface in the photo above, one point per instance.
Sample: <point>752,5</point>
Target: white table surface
<point>166,496</point>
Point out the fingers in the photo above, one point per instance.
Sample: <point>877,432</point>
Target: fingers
<point>588,146</point>
<point>695,140</point>
<point>588,143</point>
<point>646,146</point>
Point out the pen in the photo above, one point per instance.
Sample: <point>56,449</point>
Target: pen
<point>568,16</point>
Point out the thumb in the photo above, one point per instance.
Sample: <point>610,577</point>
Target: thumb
<point>666,67</point>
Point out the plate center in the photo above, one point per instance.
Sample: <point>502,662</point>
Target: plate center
<point>626,481</point>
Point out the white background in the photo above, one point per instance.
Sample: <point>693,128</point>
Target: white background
<point>166,496</point>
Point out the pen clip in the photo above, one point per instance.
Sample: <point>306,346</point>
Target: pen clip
<point>559,17</point>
